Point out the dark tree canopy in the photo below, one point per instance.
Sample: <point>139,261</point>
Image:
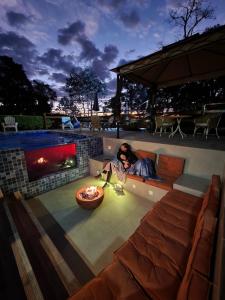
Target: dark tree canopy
<point>20,96</point>
<point>191,96</point>
<point>15,88</point>
<point>135,95</point>
<point>189,14</point>
<point>44,96</point>
<point>82,87</point>
<point>68,105</point>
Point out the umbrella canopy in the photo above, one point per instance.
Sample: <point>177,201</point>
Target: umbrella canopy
<point>199,57</point>
<point>95,104</point>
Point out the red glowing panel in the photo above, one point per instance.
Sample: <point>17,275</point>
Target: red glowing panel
<point>41,162</point>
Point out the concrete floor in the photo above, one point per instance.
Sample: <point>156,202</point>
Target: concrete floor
<point>96,233</point>
<point>189,141</point>
<point>198,141</point>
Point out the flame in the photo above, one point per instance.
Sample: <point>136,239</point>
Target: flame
<point>91,190</point>
<point>41,160</point>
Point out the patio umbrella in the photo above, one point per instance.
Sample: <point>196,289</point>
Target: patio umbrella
<point>95,104</point>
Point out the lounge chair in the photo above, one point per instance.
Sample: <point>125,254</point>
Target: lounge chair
<point>207,122</point>
<point>66,123</point>
<point>9,122</point>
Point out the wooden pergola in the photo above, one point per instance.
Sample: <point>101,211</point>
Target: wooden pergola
<point>199,57</point>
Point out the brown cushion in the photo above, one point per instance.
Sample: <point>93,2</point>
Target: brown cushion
<point>121,283</point>
<point>145,154</point>
<point>186,281</point>
<point>135,177</point>
<point>176,251</point>
<point>94,290</point>
<point>170,165</point>
<point>165,184</point>
<point>198,288</point>
<point>170,230</point>
<point>203,254</point>
<point>175,216</point>
<point>157,281</point>
<point>183,201</point>
<point>214,196</point>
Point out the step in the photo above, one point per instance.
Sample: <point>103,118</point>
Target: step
<point>61,241</point>
<point>49,281</point>
<point>11,286</point>
<point>28,278</point>
<point>63,270</point>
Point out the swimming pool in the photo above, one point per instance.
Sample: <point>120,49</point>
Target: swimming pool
<point>36,139</point>
<point>38,161</point>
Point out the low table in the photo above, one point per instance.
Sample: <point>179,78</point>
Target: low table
<point>89,203</point>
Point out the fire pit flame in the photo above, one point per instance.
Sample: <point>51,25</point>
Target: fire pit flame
<point>90,192</point>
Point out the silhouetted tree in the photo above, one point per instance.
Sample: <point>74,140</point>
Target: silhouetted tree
<point>82,87</point>
<point>44,96</point>
<point>191,96</point>
<point>68,105</point>
<point>15,88</point>
<point>189,14</point>
<point>134,96</point>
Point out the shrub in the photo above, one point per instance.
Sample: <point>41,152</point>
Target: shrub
<point>29,122</point>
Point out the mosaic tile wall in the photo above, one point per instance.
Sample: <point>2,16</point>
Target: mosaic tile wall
<point>14,177</point>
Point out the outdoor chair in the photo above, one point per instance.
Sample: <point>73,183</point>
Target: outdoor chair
<point>95,123</point>
<point>162,123</point>
<point>207,122</point>
<point>109,124</point>
<point>66,123</point>
<point>9,122</point>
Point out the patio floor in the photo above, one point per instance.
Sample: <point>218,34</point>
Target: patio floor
<point>189,141</point>
<point>94,234</point>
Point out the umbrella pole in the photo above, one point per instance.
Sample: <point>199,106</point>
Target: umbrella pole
<point>117,130</point>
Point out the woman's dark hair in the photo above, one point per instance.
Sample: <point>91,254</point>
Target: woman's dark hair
<point>131,157</point>
<point>126,146</point>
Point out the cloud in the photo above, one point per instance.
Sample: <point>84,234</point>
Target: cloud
<point>76,32</point>
<point>89,50</point>
<point>20,48</point>
<point>157,35</point>
<point>130,19</point>
<point>111,85</point>
<point>17,19</point>
<point>111,5</point>
<point>123,61</point>
<point>110,53</point>
<point>58,77</point>
<point>100,68</point>
<point>72,32</point>
<point>128,52</point>
<point>55,59</point>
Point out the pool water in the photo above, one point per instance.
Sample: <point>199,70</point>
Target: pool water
<point>36,139</point>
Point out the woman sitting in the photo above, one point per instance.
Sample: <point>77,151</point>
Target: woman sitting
<point>127,162</point>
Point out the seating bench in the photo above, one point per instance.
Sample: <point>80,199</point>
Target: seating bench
<point>168,167</point>
<point>170,254</point>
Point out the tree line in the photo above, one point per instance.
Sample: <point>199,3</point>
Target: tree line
<point>19,95</point>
